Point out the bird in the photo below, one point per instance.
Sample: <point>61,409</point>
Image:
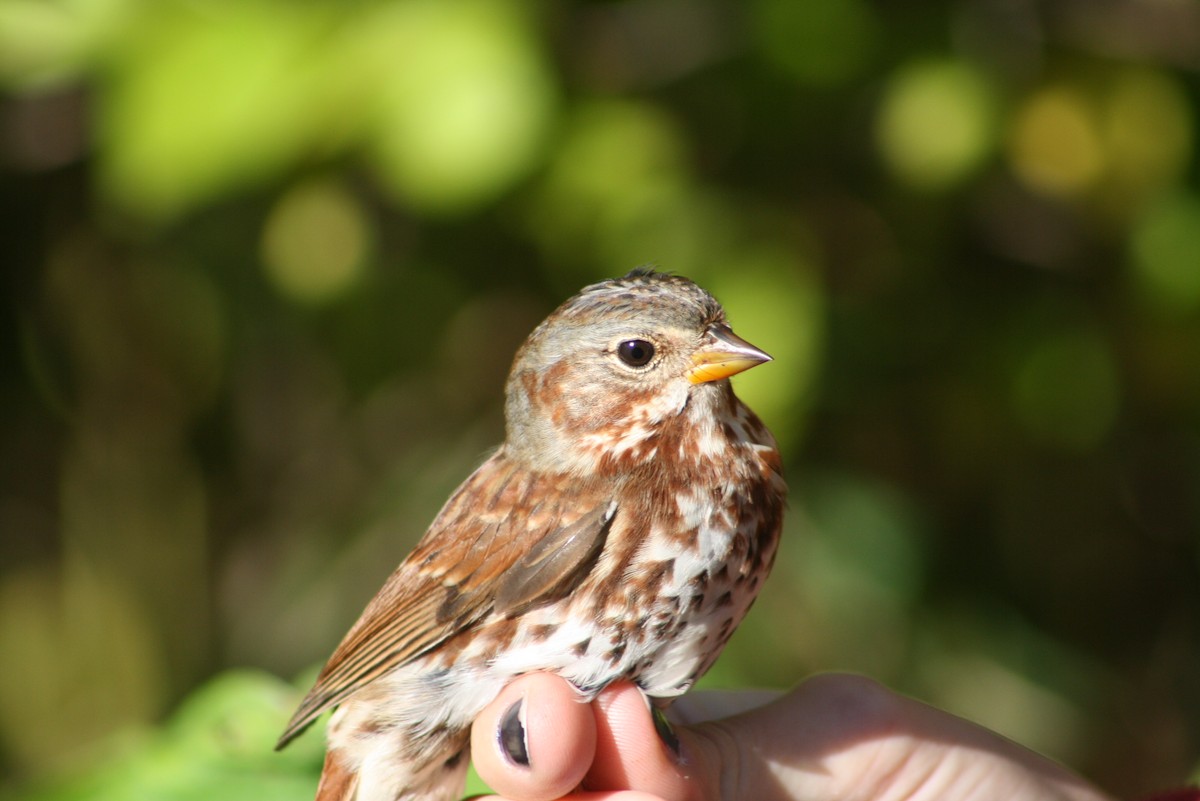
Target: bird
<point>620,532</point>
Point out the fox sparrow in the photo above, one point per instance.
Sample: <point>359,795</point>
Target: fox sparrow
<point>620,533</point>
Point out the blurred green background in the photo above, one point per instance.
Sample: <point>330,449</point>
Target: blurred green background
<point>266,263</point>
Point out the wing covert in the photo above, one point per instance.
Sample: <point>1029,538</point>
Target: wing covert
<point>492,547</point>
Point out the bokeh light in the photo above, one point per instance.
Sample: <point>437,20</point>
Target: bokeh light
<point>232,98</point>
<point>1150,128</point>
<point>315,242</point>
<point>465,100</point>
<point>1056,146</point>
<point>820,42</point>
<point>1066,389</point>
<point>1166,252</point>
<point>616,159</point>
<point>936,123</point>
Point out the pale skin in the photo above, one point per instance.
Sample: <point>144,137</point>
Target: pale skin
<point>833,737</point>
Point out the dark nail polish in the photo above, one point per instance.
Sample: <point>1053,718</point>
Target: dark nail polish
<point>512,736</point>
<point>666,732</point>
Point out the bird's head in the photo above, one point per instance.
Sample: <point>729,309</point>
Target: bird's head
<point>608,372</point>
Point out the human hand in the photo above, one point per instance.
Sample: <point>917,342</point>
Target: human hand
<point>833,737</point>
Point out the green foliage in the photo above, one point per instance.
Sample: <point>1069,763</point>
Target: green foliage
<point>216,745</point>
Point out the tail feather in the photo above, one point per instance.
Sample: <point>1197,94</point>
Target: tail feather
<point>338,783</point>
<point>370,758</point>
<point>442,780</point>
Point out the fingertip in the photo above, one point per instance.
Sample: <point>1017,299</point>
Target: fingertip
<point>631,753</point>
<point>536,740</point>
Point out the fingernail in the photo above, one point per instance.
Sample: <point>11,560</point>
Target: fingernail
<point>666,732</point>
<point>512,736</point>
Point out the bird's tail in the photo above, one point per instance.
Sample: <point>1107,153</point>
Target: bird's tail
<point>389,779</point>
<point>338,782</point>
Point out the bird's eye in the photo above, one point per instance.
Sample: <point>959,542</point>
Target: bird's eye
<point>635,352</point>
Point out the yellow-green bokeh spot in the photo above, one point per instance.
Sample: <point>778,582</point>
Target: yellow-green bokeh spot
<point>1148,125</point>
<point>315,242</point>
<point>1066,390</point>
<point>57,632</point>
<point>935,124</point>
<point>452,100</point>
<point>1129,136</point>
<point>774,301</point>
<point>1056,146</point>
<point>1166,253</point>
<point>465,102</point>
<point>197,104</point>
<point>615,160</point>
<point>45,44</point>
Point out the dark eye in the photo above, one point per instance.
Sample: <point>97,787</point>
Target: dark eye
<point>635,352</point>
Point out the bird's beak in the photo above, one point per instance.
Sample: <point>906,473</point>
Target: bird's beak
<point>724,355</point>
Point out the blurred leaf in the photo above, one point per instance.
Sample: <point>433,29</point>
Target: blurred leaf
<point>57,638</point>
<point>616,161</point>
<point>936,124</point>
<point>206,99</point>
<point>1056,145</point>
<point>866,529</point>
<point>465,99</point>
<point>315,242</point>
<point>1166,253</point>
<point>1149,128</point>
<point>821,42</point>
<point>774,301</point>
<point>44,43</point>
<point>218,745</point>
<point>1067,389</point>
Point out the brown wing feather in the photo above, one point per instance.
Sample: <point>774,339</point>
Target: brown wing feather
<point>452,578</point>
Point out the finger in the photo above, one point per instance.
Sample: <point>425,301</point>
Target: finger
<point>632,755</point>
<point>621,795</point>
<point>536,740</point>
<point>699,706</point>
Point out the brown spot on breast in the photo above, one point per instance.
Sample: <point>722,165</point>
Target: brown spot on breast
<point>502,632</point>
<point>497,634</point>
<point>374,725</point>
<point>543,631</point>
<point>739,548</point>
<point>654,577</point>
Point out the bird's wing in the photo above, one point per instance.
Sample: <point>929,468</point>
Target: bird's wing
<point>507,539</point>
